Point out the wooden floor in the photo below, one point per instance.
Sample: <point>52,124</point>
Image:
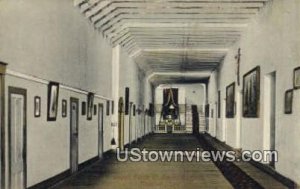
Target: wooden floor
<point>111,174</point>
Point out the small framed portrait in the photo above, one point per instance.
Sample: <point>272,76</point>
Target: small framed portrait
<point>297,78</point>
<point>251,93</point>
<point>53,93</point>
<point>107,107</point>
<point>230,101</point>
<point>90,105</point>
<point>37,106</point>
<point>288,101</point>
<point>112,107</point>
<point>83,108</point>
<point>64,108</point>
<point>95,109</point>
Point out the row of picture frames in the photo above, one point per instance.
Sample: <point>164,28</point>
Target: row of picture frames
<point>87,108</point>
<point>251,94</point>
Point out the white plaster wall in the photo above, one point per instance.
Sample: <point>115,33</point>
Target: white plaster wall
<point>139,91</point>
<point>271,42</point>
<point>48,143</point>
<point>51,40</point>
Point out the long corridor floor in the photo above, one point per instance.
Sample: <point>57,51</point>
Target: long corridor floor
<point>113,174</point>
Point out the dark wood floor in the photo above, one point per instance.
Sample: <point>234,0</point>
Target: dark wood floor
<point>112,174</point>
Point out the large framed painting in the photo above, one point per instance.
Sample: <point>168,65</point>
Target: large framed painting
<point>297,78</point>
<point>288,101</point>
<point>251,93</point>
<point>230,100</point>
<point>53,93</point>
<point>90,105</point>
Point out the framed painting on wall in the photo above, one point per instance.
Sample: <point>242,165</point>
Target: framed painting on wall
<point>83,108</point>
<point>90,105</point>
<point>297,78</point>
<point>64,108</point>
<point>251,93</point>
<point>288,101</point>
<point>230,99</point>
<point>37,106</point>
<point>53,93</point>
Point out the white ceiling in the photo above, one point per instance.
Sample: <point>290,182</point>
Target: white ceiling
<point>172,35</point>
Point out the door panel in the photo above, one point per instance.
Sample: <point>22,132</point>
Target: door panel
<point>17,138</point>
<point>74,135</point>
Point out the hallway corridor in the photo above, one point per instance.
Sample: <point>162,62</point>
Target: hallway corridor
<point>111,174</point>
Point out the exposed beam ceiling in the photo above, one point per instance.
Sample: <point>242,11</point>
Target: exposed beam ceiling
<point>172,35</point>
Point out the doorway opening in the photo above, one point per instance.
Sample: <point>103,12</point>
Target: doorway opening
<point>17,137</point>
<point>73,135</point>
<point>269,114</point>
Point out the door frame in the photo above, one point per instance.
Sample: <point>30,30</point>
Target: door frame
<point>74,100</point>
<point>23,92</point>
<point>101,106</point>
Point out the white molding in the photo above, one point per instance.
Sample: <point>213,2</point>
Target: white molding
<point>46,82</point>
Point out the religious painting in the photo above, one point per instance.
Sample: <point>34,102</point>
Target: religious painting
<point>95,109</point>
<point>288,101</point>
<point>112,107</point>
<point>230,99</point>
<point>251,92</point>
<point>53,92</point>
<point>219,104</point>
<point>297,78</point>
<point>37,106</point>
<point>107,107</point>
<point>126,101</point>
<point>83,108</point>
<point>134,110</point>
<point>64,108</point>
<point>90,104</point>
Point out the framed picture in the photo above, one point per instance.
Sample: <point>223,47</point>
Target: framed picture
<point>126,100</point>
<point>64,108</point>
<point>90,105</point>
<point>112,107</point>
<point>134,110</point>
<point>288,101</point>
<point>219,104</point>
<point>251,92</point>
<point>107,107</point>
<point>230,99</point>
<point>53,93</point>
<point>95,109</point>
<point>83,108</point>
<point>37,106</point>
<point>297,78</point>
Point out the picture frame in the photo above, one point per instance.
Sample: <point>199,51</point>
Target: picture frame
<point>95,109</point>
<point>230,100</point>
<point>64,105</point>
<point>37,106</point>
<point>251,93</point>
<point>112,107</point>
<point>107,107</point>
<point>83,108</point>
<point>53,96</point>
<point>90,105</point>
<point>288,101</point>
<point>296,78</point>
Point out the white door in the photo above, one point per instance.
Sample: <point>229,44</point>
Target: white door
<point>100,130</point>
<point>74,135</point>
<point>17,141</point>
